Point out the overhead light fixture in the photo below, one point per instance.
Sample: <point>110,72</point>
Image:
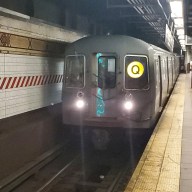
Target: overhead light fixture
<point>182,41</point>
<point>181,37</point>
<point>177,15</point>
<point>178,23</point>
<point>176,9</point>
<point>180,32</point>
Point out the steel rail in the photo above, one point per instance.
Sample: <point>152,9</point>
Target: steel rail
<point>17,178</point>
<point>47,186</point>
<point>112,186</point>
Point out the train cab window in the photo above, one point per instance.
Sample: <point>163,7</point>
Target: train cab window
<point>106,72</point>
<point>136,72</point>
<point>74,71</point>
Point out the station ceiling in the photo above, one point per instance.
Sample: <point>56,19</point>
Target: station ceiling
<point>188,17</point>
<point>144,19</point>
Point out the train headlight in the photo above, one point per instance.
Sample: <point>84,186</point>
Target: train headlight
<point>128,105</point>
<point>80,104</point>
<point>80,100</point>
<point>128,102</point>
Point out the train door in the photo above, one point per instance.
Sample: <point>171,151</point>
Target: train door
<point>104,91</point>
<point>158,101</point>
<point>164,78</point>
<point>168,77</point>
<point>173,72</point>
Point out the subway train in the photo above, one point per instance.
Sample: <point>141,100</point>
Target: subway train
<point>116,82</point>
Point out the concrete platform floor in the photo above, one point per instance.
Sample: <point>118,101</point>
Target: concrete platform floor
<point>166,163</point>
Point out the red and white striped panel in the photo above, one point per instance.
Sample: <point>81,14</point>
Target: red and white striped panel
<point>27,81</point>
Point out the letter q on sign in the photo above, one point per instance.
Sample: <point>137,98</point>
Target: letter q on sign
<point>135,69</point>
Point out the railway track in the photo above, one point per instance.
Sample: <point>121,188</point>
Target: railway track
<point>98,174</point>
<point>80,168</point>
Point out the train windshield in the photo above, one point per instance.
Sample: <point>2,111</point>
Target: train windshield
<point>106,72</point>
<point>136,72</point>
<point>74,71</point>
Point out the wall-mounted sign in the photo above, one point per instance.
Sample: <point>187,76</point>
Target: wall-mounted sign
<point>169,40</point>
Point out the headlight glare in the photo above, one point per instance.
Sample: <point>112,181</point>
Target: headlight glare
<point>128,105</point>
<point>80,104</point>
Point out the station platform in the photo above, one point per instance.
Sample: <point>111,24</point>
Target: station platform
<point>166,163</point>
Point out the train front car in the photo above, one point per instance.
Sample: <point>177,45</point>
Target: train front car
<point>108,83</point>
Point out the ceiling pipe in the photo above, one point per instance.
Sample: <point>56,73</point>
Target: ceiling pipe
<point>162,10</point>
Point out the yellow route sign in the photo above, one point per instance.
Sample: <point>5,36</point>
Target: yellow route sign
<point>135,69</point>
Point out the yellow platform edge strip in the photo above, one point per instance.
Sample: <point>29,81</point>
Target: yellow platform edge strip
<point>159,167</point>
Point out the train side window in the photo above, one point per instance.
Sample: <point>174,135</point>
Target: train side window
<point>75,71</point>
<point>106,72</point>
<point>136,72</point>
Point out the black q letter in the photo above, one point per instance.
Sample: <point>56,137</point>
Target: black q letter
<point>135,72</point>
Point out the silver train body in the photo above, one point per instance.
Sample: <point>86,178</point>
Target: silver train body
<point>116,81</point>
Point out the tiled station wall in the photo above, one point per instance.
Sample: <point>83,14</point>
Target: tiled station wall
<point>31,63</point>
<point>28,83</point>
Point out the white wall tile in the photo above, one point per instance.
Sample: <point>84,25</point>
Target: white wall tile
<point>23,99</point>
<point>2,103</point>
<point>37,65</point>
<point>2,94</point>
<point>2,113</point>
<point>2,64</point>
<point>2,106</point>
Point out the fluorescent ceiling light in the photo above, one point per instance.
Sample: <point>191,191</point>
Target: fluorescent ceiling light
<point>180,31</point>
<point>182,41</point>
<point>176,9</point>
<point>177,15</point>
<point>178,23</point>
<point>181,36</point>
